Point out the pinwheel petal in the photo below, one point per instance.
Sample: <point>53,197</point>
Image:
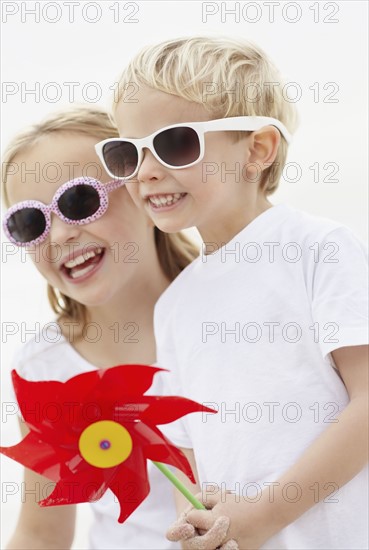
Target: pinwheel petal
<point>120,383</point>
<point>33,453</point>
<point>51,409</point>
<point>88,485</point>
<point>131,485</point>
<point>157,447</point>
<point>34,397</point>
<point>169,454</point>
<point>163,410</point>
<point>127,380</point>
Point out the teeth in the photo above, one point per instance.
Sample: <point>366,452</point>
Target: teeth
<point>79,260</point>
<point>81,272</point>
<point>165,200</point>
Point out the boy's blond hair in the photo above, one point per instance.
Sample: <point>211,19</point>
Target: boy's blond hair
<point>175,251</point>
<point>229,77</point>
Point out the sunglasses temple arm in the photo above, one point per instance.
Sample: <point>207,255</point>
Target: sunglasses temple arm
<point>114,184</point>
<point>248,124</point>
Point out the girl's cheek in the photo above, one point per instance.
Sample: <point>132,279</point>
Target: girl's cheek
<point>132,189</point>
<point>41,256</point>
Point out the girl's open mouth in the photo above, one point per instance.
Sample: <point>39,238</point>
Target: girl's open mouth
<point>84,263</point>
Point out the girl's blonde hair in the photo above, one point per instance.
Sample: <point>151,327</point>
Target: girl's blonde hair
<point>175,251</point>
<point>229,77</point>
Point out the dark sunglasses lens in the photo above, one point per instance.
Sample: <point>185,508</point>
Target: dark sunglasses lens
<point>79,202</point>
<point>178,146</point>
<point>121,158</point>
<point>26,224</point>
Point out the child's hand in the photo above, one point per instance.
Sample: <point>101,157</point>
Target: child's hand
<point>193,539</point>
<point>247,526</point>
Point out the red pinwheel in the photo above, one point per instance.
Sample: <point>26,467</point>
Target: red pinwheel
<point>96,431</point>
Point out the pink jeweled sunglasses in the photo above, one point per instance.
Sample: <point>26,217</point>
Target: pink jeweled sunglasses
<point>77,202</point>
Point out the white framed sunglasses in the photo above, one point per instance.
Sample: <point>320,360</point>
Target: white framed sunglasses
<point>176,146</point>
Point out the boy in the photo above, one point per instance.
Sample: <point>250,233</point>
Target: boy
<point>269,325</point>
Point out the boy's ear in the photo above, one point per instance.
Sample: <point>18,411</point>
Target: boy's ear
<point>264,145</point>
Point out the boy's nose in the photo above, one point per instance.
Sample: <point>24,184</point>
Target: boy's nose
<point>150,168</point>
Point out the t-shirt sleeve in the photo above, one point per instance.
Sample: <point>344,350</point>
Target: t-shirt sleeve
<point>340,292</point>
<point>14,366</point>
<point>176,431</point>
<point>29,363</point>
<point>25,365</point>
<point>34,359</point>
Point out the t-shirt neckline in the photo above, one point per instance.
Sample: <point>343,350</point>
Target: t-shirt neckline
<point>275,214</point>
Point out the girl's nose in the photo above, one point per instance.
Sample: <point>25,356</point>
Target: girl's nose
<point>62,232</point>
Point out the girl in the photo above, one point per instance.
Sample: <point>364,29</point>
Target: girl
<point>104,276</point>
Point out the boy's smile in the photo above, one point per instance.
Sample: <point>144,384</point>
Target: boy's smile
<point>219,203</point>
<point>160,202</point>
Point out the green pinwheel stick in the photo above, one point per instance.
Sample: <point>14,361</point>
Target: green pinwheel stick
<point>179,485</point>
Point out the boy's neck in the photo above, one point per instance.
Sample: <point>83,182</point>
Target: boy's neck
<point>227,227</point>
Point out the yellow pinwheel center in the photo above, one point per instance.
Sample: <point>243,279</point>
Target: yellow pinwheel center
<point>105,444</point>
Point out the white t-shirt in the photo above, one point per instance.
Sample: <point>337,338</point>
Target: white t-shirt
<point>49,356</point>
<point>248,330</point>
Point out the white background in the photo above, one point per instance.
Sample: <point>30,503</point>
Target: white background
<point>322,46</point>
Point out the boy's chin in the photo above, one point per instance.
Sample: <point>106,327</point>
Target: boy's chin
<point>171,227</point>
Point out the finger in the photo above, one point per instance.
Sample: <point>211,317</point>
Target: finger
<point>176,533</point>
<point>201,519</point>
<point>230,545</point>
<point>212,539</point>
<point>180,529</point>
<point>210,499</point>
